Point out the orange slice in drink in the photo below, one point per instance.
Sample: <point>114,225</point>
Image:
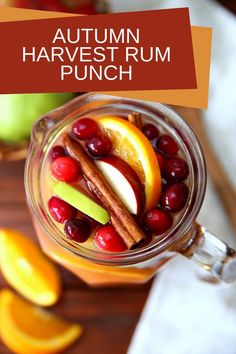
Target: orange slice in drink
<point>27,269</point>
<point>27,329</point>
<point>131,145</point>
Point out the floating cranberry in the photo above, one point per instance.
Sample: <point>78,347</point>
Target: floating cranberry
<point>150,131</point>
<point>175,197</point>
<point>164,184</point>
<point>65,169</point>
<point>77,230</point>
<point>148,238</point>
<point>161,160</point>
<point>60,210</point>
<point>99,146</point>
<point>158,221</point>
<point>176,169</point>
<point>108,239</point>
<point>92,223</point>
<point>85,128</point>
<point>167,145</point>
<point>57,151</point>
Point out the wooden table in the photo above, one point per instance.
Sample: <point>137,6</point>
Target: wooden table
<point>108,315</point>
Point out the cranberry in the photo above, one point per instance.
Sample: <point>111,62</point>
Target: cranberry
<point>150,131</point>
<point>108,239</point>
<point>148,238</point>
<point>85,128</point>
<point>158,221</point>
<point>57,151</point>
<point>99,145</point>
<point>92,223</point>
<point>176,169</point>
<point>161,160</point>
<point>60,210</point>
<point>65,169</point>
<point>167,145</point>
<point>164,184</point>
<point>77,230</point>
<point>175,197</point>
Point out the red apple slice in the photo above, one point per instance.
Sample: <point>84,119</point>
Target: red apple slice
<point>124,181</point>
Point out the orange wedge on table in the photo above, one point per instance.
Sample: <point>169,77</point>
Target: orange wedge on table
<point>27,269</point>
<point>27,329</point>
<point>131,145</point>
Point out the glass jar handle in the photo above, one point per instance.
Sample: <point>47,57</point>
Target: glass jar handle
<point>212,254</point>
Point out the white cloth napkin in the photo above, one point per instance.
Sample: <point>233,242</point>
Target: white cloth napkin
<point>187,316</point>
<point>184,315</point>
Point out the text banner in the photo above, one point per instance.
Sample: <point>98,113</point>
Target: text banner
<point>148,50</point>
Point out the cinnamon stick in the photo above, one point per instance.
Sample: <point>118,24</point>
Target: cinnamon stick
<point>119,227</point>
<point>136,119</point>
<point>121,219</point>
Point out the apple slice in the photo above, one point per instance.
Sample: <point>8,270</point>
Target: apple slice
<point>124,181</point>
<point>81,202</point>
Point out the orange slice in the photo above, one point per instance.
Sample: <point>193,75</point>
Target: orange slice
<point>27,329</point>
<point>131,145</point>
<point>27,270</point>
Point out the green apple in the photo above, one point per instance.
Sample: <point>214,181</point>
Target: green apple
<point>19,111</point>
<point>81,202</point>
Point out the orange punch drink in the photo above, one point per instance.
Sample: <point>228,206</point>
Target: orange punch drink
<point>114,187</point>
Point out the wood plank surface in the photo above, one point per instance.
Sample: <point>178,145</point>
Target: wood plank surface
<point>109,315</point>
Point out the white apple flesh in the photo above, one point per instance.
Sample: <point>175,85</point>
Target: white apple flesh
<point>124,181</point>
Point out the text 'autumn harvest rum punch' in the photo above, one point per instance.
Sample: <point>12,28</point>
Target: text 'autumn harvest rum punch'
<point>59,52</point>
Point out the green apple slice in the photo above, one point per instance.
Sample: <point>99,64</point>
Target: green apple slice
<point>81,202</point>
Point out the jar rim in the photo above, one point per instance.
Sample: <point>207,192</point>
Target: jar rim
<point>46,124</point>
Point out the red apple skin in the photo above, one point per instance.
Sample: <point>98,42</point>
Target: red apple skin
<point>74,6</point>
<point>127,171</point>
<point>18,3</point>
